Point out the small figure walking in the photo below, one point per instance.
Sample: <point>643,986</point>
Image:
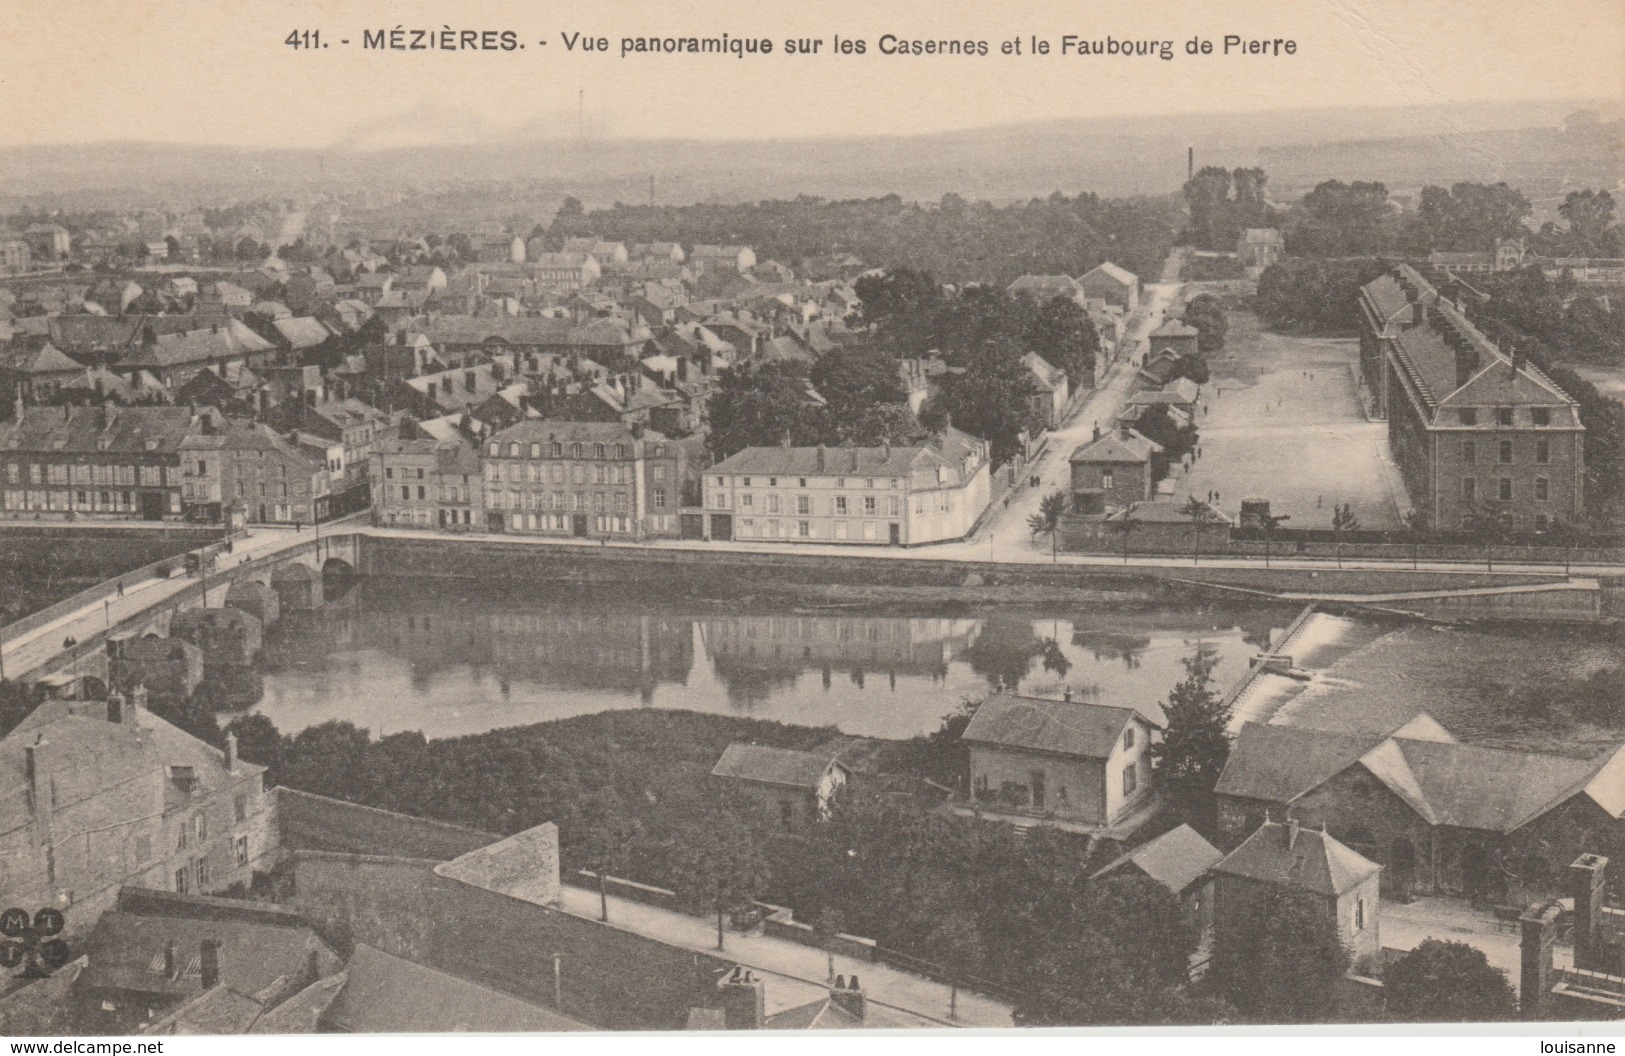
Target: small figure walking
<point>121,588</point>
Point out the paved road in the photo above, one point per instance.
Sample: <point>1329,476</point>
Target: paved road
<point>1004,537</point>
<point>802,970</point>
<point>38,646</point>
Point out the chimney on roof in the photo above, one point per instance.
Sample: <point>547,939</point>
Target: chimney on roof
<point>822,457</point>
<point>854,451</point>
<point>1125,431</point>
<point>37,764</point>
<point>744,1000</point>
<point>849,998</point>
<point>885,449</point>
<point>209,963</point>
<point>231,753</point>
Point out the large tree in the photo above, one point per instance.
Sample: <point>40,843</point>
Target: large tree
<point>1206,314</point>
<point>992,399</point>
<point>1339,219</point>
<point>1061,331</point>
<point>898,291</point>
<point>1196,743</point>
<point>718,863</point>
<point>763,406</point>
<point>1590,216</point>
<point>602,834</point>
<point>1469,217</point>
<point>1446,982</point>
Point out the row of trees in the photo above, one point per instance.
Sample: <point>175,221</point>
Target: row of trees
<point>959,240</point>
<point>1356,219</point>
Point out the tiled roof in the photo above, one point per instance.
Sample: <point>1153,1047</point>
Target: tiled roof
<point>772,766</point>
<point>93,429</point>
<point>1445,782</point>
<point>1176,859</point>
<point>1286,855</point>
<point>1065,727</point>
<point>1112,271</point>
<point>1112,447</point>
<point>855,461</point>
<point>387,994</point>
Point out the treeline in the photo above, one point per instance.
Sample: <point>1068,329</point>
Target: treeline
<point>1355,219</point>
<point>958,240</point>
<point>1310,295</point>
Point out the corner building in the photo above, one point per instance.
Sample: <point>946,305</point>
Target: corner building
<point>1476,432</point>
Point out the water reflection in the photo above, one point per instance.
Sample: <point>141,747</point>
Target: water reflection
<point>396,655</point>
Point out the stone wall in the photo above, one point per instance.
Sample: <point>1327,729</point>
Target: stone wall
<point>311,822</point>
<point>607,977</point>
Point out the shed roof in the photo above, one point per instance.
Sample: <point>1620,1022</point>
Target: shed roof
<point>773,766</point>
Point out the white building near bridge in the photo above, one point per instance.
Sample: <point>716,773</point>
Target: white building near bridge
<point>903,496</point>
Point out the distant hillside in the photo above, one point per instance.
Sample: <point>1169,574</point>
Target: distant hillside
<point>1116,156</point>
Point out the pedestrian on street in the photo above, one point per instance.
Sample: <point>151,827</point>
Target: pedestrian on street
<point>121,588</point>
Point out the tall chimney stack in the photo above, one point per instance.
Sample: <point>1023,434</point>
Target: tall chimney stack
<point>231,753</point>
<point>744,1000</point>
<point>848,996</point>
<point>209,963</point>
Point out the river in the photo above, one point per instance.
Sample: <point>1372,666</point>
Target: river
<point>453,658</point>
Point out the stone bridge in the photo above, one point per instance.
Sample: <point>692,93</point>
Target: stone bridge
<point>143,603</point>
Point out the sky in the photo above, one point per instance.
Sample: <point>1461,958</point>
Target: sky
<point>219,72</point>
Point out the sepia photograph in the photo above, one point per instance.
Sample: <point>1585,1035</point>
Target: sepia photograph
<point>637,517</point>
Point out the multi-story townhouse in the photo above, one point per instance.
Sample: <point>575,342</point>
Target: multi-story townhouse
<point>591,479</point>
<point>427,483</point>
<point>905,495</point>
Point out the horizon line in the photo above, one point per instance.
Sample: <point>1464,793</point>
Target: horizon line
<point>338,146</point>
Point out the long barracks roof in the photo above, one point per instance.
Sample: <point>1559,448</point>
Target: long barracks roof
<point>1432,353</point>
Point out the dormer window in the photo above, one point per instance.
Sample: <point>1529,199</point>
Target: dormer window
<point>1541,415</point>
<point>1503,416</point>
<point>1469,415</point>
